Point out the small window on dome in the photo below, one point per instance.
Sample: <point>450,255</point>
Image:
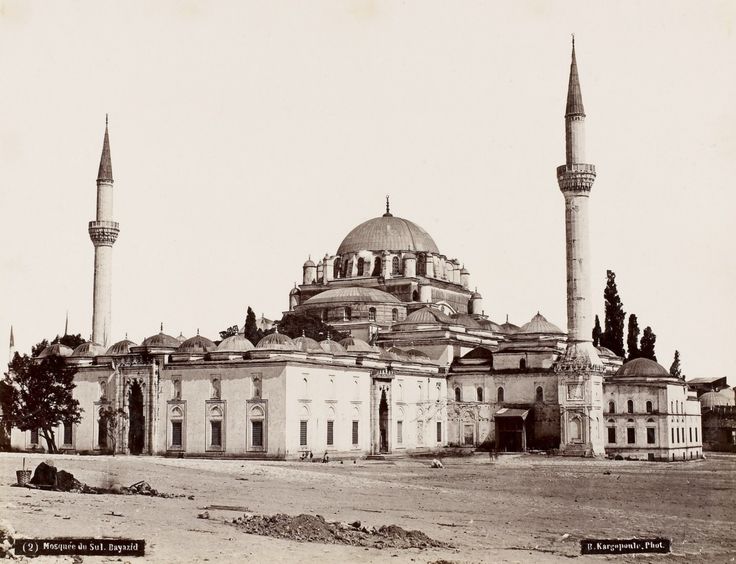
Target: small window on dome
<point>372,314</point>
<point>361,266</point>
<point>336,269</point>
<point>395,265</point>
<point>377,267</point>
<point>348,314</point>
<point>394,314</point>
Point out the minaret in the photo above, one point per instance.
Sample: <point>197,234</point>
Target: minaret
<point>11,348</point>
<point>580,368</point>
<point>103,232</point>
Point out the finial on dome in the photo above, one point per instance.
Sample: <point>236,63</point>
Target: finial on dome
<point>162,326</point>
<point>388,207</point>
<point>304,333</point>
<point>197,331</point>
<point>507,318</point>
<point>126,335</point>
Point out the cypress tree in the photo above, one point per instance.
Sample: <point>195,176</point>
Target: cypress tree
<point>632,339</point>
<point>675,369</point>
<point>648,339</point>
<point>250,331</point>
<point>613,335</point>
<point>597,332</point>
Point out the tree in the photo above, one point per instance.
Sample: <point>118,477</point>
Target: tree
<point>250,331</point>
<point>6,408</point>
<point>229,332</point>
<point>613,334</point>
<point>597,331</point>
<point>648,339</point>
<point>632,339</point>
<point>113,420</point>
<point>71,341</point>
<point>42,396</point>
<point>675,369</point>
<point>298,324</point>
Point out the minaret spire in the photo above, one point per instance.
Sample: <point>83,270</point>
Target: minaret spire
<point>11,347</point>
<point>574,96</point>
<point>388,208</point>
<point>105,171</point>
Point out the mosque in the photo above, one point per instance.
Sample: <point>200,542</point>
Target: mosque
<point>424,367</point>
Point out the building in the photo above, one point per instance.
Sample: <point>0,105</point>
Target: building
<point>424,367</point>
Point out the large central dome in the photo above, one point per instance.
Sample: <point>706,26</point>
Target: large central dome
<point>388,233</point>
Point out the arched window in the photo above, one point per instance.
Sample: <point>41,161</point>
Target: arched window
<point>479,394</point>
<point>395,265</point>
<point>377,264</point>
<point>540,394</point>
<point>458,394</point>
<point>336,269</point>
<point>215,389</point>
<point>415,296</point>
<point>361,266</point>
<point>348,314</point>
<point>522,363</point>
<point>394,314</point>
<point>630,406</point>
<point>422,265</point>
<point>649,407</point>
<point>371,314</point>
<point>324,315</point>
<point>611,407</point>
<point>500,395</point>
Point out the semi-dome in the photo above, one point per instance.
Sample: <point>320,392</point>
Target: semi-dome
<point>276,341</point>
<point>330,346</point>
<point>161,341</point>
<point>197,344</point>
<point>388,233</point>
<point>89,350</point>
<point>235,343</point>
<point>120,348</point>
<point>352,294</point>
<point>539,324</point>
<point>353,344</point>
<point>57,349</point>
<point>307,344</point>
<point>642,368</point>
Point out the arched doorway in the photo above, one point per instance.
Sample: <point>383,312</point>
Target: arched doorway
<point>136,419</point>
<point>383,422</point>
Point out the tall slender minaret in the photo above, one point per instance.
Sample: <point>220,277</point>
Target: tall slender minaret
<point>580,369</point>
<point>11,347</point>
<point>103,232</point>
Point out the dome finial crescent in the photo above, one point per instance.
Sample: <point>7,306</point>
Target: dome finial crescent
<point>388,208</point>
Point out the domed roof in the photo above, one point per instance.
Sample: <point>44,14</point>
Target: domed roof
<point>307,344</point>
<point>387,233</point>
<point>606,351</point>
<point>276,341</point>
<point>509,328</point>
<point>330,346</point>
<point>197,344</point>
<point>384,354</point>
<point>427,315</point>
<point>88,350</point>
<point>181,338</point>
<point>57,349</point>
<point>714,399</point>
<point>309,262</point>
<point>539,324</point>
<point>490,325</point>
<point>120,348</point>
<point>352,294</point>
<point>466,320</point>
<point>236,343</point>
<point>161,340</point>
<point>476,296</point>
<point>642,368</point>
<point>352,344</point>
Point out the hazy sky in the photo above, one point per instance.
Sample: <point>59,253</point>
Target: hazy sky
<point>247,135</point>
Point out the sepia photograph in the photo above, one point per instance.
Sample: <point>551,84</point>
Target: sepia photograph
<point>367,281</point>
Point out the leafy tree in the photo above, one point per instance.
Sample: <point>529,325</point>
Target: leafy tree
<point>648,339</point>
<point>113,420</point>
<point>229,332</point>
<point>71,341</point>
<point>42,396</point>
<point>613,335</point>
<point>298,324</point>
<point>597,332</point>
<point>6,407</point>
<point>37,349</point>
<point>632,339</point>
<point>675,369</point>
<point>251,331</point>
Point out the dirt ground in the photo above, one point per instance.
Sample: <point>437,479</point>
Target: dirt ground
<point>521,508</point>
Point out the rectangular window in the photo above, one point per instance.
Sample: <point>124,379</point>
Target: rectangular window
<point>216,433</point>
<point>673,435</point>
<point>399,432</point>
<point>612,435</point>
<point>256,428</point>
<point>439,431</point>
<point>176,433</point>
<point>302,433</point>
<point>650,436</point>
<point>678,434</point>
<point>355,432</point>
<point>67,433</point>
<point>330,433</point>
<point>34,436</point>
<point>631,435</point>
<point>696,434</point>
<point>691,434</point>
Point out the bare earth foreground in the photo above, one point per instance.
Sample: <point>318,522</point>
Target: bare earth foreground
<point>518,509</point>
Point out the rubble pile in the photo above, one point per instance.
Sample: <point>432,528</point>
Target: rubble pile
<point>314,528</point>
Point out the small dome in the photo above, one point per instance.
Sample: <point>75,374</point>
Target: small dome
<point>57,349</point>
<point>181,338</point>
<point>427,315</point>
<point>539,324</point>
<point>384,354</point>
<point>276,342</point>
<point>465,271</point>
<point>387,233</point>
<point>89,350</point>
<point>120,348</point>
<point>330,346</point>
<point>467,320</point>
<point>236,343</point>
<point>715,399</point>
<point>294,291</point>
<point>307,344</point>
<point>197,344</point>
<point>642,368</point>
<point>490,325</point>
<point>400,354</point>
<point>162,341</point>
<point>606,352</point>
<point>509,328</point>
<point>352,294</point>
<point>476,296</point>
<point>351,345</point>
<point>309,263</point>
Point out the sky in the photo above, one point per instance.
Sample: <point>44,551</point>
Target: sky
<point>246,136</point>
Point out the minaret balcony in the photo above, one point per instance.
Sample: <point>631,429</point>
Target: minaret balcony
<point>103,232</point>
<point>576,177</point>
